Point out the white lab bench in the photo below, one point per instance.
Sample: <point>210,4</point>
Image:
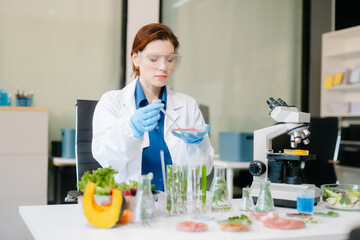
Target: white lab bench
<point>69,222</point>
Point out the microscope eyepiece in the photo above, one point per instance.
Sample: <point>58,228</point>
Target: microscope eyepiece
<point>272,103</point>
<point>282,102</point>
<point>275,103</point>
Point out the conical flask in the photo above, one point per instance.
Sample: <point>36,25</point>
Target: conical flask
<point>145,207</point>
<point>264,202</point>
<point>220,200</point>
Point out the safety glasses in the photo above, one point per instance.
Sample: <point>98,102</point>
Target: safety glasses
<point>156,60</point>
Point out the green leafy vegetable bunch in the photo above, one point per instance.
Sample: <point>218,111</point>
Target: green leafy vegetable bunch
<point>125,186</point>
<point>102,177</point>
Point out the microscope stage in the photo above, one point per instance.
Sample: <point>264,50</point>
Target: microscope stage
<point>290,157</point>
<point>284,195</point>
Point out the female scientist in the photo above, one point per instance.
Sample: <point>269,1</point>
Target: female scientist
<point>129,130</point>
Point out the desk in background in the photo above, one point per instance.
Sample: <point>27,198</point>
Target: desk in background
<point>65,177</point>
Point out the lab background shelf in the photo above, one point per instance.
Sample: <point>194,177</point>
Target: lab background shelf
<point>340,51</point>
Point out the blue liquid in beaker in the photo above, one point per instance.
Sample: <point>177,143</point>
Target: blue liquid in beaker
<point>305,205</point>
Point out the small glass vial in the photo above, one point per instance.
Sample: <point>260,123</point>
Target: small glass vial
<point>145,207</point>
<point>264,202</point>
<point>169,188</point>
<point>220,200</point>
<point>247,203</point>
<point>183,188</point>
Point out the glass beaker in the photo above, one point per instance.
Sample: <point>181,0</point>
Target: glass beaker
<point>198,188</point>
<point>145,207</point>
<point>247,203</point>
<point>219,200</point>
<point>173,189</point>
<point>264,202</point>
<point>305,201</point>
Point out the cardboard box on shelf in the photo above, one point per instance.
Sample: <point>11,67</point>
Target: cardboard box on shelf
<point>355,107</point>
<point>339,107</point>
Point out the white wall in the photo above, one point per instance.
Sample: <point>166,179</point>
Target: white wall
<point>140,13</point>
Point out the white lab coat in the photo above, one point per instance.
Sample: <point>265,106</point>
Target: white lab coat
<point>114,143</point>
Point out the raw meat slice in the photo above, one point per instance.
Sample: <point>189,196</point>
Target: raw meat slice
<point>283,223</point>
<point>264,215</point>
<point>189,226</point>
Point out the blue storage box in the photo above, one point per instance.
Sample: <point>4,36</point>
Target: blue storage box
<point>68,143</point>
<point>236,146</point>
<point>4,99</point>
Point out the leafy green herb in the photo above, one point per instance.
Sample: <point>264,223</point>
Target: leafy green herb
<point>310,220</point>
<point>104,181</point>
<point>265,202</point>
<point>169,182</point>
<point>328,214</point>
<point>243,219</point>
<point>219,192</point>
<point>197,180</point>
<point>341,198</point>
<point>102,177</point>
<point>176,187</point>
<point>353,194</point>
<point>132,184</point>
<point>332,214</point>
<point>345,200</point>
<point>329,193</point>
<point>184,183</point>
<point>246,194</point>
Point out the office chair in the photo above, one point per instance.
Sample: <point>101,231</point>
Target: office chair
<point>83,138</point>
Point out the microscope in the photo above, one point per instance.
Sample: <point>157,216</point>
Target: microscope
<point>283,169</point>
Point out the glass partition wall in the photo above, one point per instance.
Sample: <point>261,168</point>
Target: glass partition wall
<point>237,54</point>
<point>62,50</point>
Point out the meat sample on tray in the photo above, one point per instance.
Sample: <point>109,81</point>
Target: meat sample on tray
<point>283,223</point>
<point>187,130</point>
<point>235,227</point>
<point>189,226</point>
<point>264,215</point>
<point>298,214</point>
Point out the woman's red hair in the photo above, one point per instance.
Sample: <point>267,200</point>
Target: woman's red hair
<point>149,33</point>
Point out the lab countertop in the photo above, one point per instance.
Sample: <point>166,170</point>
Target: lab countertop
<point>69,222</point>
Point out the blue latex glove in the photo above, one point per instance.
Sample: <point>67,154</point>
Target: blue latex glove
<point>146,118</point>
<point>192,137</point>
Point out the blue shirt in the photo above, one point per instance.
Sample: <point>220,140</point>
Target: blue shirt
<point>151,161</point>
